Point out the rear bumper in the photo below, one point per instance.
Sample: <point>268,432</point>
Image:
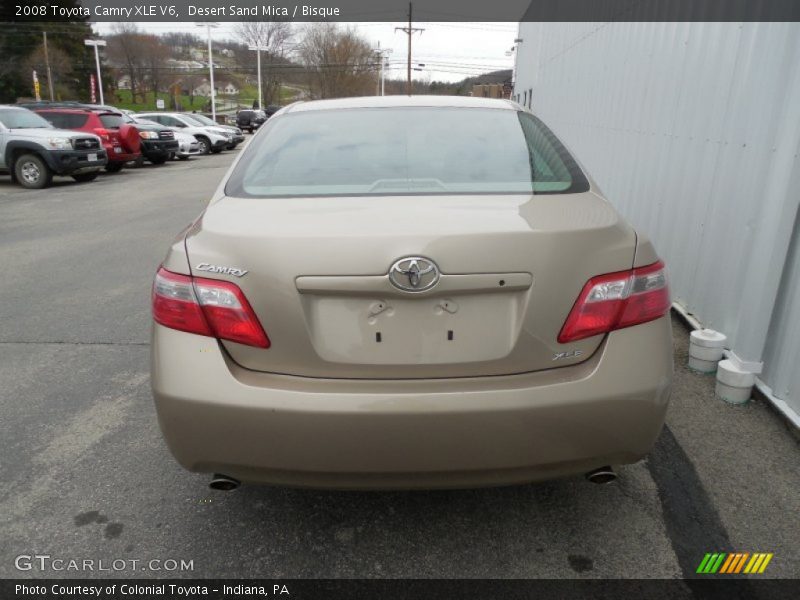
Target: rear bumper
<point>218,417</point>
<point>122,156</point>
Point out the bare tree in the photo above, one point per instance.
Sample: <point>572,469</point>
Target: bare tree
<point>126,48</point>
<point>274,38</point>
<point>339,62</point>
<point>154,60</point>
<point>60,64</point>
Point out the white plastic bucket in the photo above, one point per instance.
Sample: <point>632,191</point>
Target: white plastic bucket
<point>706,349</point>
<point>734,385</point>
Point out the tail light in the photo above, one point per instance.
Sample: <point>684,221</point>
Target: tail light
<point>618,300</point>
<point>206,307</point>
<point>102,132</point>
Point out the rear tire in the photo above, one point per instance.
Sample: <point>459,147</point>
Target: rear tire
<point>205,145</point>
<point>115,167</point>
<point>183,158</point>
<point>32,172</point>
<point>160,160</point>
<point>84,177</point>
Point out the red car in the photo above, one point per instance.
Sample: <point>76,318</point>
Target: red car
<point>120,140</point>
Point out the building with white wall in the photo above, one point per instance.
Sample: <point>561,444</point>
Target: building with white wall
<point>693,131</point>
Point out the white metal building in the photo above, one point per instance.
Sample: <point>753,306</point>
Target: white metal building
<point>693,131</point>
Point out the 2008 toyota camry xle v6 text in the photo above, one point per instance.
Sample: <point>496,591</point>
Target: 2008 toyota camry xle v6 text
<point>402,292</point>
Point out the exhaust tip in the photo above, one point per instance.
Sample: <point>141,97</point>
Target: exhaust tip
<point>601,476</point>
<point>223,483</point>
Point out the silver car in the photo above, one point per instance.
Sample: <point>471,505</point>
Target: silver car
<point>402,292</point>
<point>33,151</point>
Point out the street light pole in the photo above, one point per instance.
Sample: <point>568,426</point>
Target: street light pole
<point>258,48</point>
<point>97,43</point>
<point>208,27</point>
<point>383,53</point>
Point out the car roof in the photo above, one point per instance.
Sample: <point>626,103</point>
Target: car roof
<point>74,111</point>
<point>402,101</point>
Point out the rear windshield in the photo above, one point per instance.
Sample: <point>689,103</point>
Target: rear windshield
<point>111,121</point>
<point>400,151</point>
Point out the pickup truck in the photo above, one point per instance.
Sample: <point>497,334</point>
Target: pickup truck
<point>33,151</point>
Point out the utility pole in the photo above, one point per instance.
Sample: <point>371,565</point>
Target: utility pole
<point>258,48</point>
<point>410,31</point>
<point>208,27</point>
<point>97,43</point>
<point>47,64</point>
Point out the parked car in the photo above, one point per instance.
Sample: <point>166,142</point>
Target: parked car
<point>250,120</point>
<point>187,146</point>
<point>210,138</point>
<point>32,150</point>
<point>237,137</point>
<point>158,142</point>
<point>187,143</point>
<point>120,140</point>
<point>398,292</point>
<point>272,109</point>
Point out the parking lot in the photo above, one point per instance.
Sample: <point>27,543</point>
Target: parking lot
<point>84,473</point>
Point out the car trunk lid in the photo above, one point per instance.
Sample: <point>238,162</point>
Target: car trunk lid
<point>316,272</point>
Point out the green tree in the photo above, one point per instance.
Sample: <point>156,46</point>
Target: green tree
<point>20,41</point>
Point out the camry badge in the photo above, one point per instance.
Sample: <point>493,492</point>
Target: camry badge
<point>414,274</point>
<point>221,269</point>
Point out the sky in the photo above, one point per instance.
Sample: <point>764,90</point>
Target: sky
<point>449,51</point>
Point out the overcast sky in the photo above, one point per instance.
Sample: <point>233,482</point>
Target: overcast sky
<point>449,51</point>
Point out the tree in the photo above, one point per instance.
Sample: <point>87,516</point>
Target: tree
<point>273,37</point>
<point>20,40</point>
<point>339,62</point>
<point>154,61</point>
<point>60,67</point>
<point>126,48</point>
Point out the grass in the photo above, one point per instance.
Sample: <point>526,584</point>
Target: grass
<point>122,99</point>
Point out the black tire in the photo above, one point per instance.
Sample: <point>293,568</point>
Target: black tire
<point>183,158</point>
<point>32,172</point>
<point>205,144</point>
<point>84,177</point>
<point>159,160</point>
<point>115,167</point>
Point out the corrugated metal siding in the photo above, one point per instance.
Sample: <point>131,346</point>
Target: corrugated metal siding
<point>692,130</point>
<point>782,356</point>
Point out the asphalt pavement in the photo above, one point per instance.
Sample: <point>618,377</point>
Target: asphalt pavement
<point>84,473</point>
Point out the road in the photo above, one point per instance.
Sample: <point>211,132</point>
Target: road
<point>84,472</point>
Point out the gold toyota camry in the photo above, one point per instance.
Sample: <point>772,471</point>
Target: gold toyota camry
<point>409,292</point>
